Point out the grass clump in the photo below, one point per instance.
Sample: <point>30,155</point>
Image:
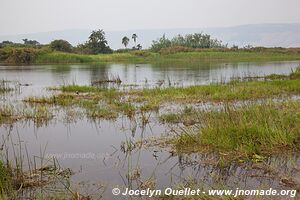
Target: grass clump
<point>102,113</point>
<point>246,132</point>
<point>295,74</point>
<point>170,118</point>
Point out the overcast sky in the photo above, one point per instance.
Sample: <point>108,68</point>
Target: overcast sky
<point>29,16</point>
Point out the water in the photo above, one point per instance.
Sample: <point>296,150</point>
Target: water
<point>94,150</point>
<point>140,75</point>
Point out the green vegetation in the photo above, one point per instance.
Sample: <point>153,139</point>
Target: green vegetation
<point>196,40</point>
<point>248,132</point>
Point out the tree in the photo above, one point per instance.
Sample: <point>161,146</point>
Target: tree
<point>139,47</point>
<point>97,43</point>
<point>30,42</point>
<point>125,41</point>
<point>134,37</point>
<point>61,45</point>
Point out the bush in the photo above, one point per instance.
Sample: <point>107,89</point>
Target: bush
<point>4,54</point>
<point>21,56</point>
<point>61,45</point>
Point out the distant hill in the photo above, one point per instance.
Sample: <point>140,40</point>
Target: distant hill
<point>269,35</point>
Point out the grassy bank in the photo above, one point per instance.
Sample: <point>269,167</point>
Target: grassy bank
<point>47,56</point>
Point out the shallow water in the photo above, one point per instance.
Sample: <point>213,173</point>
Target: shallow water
<point>94,150</point>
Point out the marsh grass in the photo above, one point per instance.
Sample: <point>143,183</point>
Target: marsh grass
<point>187,116</point>
<point>6,185</point>
<point>245,133</point>
<point>235,90</point>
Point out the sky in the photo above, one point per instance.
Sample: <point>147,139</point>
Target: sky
<point>30,16</point>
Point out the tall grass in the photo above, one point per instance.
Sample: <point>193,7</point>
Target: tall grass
<point>149,57</point>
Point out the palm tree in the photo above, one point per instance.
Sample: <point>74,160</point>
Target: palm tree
<point>125,41</point>
<point>134,36</point>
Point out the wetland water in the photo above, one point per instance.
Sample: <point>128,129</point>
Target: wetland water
<point>97,151</point>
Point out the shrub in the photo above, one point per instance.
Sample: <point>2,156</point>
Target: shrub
<point>21,55</point>
<point>61,45</point>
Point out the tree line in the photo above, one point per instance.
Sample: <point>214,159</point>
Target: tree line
<point>97,43</point>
